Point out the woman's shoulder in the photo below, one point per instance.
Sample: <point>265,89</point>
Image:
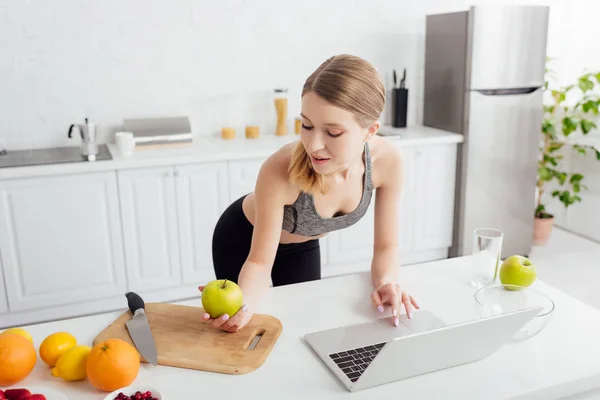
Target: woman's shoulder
<point>278,162</point>
<point>386,159</point>
<point>274,171</point>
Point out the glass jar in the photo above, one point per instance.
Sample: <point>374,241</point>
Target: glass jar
<point>281,108</point>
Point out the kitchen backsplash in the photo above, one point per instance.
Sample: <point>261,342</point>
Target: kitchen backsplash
<point>66,60</point>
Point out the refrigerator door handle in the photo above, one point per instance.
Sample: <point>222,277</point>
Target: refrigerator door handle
<point>505,92</point>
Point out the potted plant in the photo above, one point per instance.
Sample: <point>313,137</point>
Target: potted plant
<point>568,111</point>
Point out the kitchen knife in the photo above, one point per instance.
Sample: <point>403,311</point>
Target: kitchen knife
<point>403,81</point>
<point>139,328</point>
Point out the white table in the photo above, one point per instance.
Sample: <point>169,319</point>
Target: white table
<point>561,360</point>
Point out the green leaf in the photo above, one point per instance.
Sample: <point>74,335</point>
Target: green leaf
<point>597,155</point>
<point>576,188</point>
<point>545,173</point>
<point>559,96</point>
<point>565,197</point>
<point>548,128</point>
<point>550,159</point>
<point>555,146</point>
<point>539,209</point>
<point>591,105</point>
<point>549,109</point>
<point>555,193</point>
<point>587,125</point>
<point>576,178</point>
<point>561,176</point>
<point>569,125</point>
<point>585,84</point>
<point>598,77</point>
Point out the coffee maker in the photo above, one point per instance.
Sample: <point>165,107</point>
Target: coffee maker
<point>87,131</point>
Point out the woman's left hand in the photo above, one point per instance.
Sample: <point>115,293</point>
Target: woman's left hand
<point>392,295</point>
<point>229,323</point>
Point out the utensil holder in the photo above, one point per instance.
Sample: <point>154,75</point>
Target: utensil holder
<point>399,107</point>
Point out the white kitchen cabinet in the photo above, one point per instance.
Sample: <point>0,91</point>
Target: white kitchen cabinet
<point>3,299</point>
<point>242,176</point>
<point>202,196</point>
<point>434,174</point>
<point>355,243</point>
<point>425,216</point>
<point>150,237</point>
<point>60,240</point>
<point>407,202</point>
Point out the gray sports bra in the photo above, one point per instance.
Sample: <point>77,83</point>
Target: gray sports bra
<point>302,217</point>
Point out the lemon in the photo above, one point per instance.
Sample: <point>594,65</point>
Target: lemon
<point>56,345</point>
<point>71,365</point>
<point>19,331</point>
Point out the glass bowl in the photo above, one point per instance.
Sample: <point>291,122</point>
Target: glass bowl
<point>500,298</point>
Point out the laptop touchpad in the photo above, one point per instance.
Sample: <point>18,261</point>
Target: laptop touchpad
<point>369,333</point>
<point>422,321</point>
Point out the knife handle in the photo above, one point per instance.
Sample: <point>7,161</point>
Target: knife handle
<point>135,302</point>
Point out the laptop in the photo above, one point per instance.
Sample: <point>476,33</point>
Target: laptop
<point>377,352</point>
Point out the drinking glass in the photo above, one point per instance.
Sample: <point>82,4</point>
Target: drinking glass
<point>487,248</point>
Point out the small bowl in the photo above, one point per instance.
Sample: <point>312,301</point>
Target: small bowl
<point>498,299</point>
<point>129,390</point>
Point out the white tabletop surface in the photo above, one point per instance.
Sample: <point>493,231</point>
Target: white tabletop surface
<point>563,359</point>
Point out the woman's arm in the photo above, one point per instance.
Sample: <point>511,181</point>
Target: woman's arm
<point>270,198</point>
<point>270,195</point>
<point>386,263</point>
<point>384,267</point>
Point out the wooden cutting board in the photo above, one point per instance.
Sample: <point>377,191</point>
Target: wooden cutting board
<point>183,340</point>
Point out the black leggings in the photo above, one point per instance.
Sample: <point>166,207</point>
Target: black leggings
<point>232,237</point>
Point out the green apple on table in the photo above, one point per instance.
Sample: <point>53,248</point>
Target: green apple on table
<point>517,270</point>
<point>221,297</point>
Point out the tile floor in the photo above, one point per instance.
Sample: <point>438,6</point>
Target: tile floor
<point>572,264</point>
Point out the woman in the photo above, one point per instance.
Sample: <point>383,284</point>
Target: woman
<point>322,183</point>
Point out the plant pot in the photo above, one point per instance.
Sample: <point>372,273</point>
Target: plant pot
<point>541,230</point>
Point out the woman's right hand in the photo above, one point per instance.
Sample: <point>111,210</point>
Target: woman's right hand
<point>229,323</point>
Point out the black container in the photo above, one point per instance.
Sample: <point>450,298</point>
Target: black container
<point>399,107</point>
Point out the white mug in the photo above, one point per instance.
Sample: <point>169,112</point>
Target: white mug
<point>125,143</point>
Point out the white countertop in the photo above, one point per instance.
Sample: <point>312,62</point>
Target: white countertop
<point>561,360</point>
<point>208,148</point>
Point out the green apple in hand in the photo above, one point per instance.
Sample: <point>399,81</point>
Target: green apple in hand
<point>221,297</point>
<point>517,270</point>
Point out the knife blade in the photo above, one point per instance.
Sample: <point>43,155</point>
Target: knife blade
<point>139,328</point>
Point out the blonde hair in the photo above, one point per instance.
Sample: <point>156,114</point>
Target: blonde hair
<point>347,82</point>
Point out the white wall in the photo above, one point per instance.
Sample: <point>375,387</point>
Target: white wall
<point>64,60</point>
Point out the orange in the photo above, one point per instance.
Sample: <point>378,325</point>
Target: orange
<point>55,345</point>
<point>112,364</point>
<point>19,331</point>
<point>17,358</point>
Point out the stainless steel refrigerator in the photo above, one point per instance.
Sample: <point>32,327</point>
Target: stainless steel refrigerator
<point>484,77</point>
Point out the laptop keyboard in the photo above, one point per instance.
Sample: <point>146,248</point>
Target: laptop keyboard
<point>353,362</point>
